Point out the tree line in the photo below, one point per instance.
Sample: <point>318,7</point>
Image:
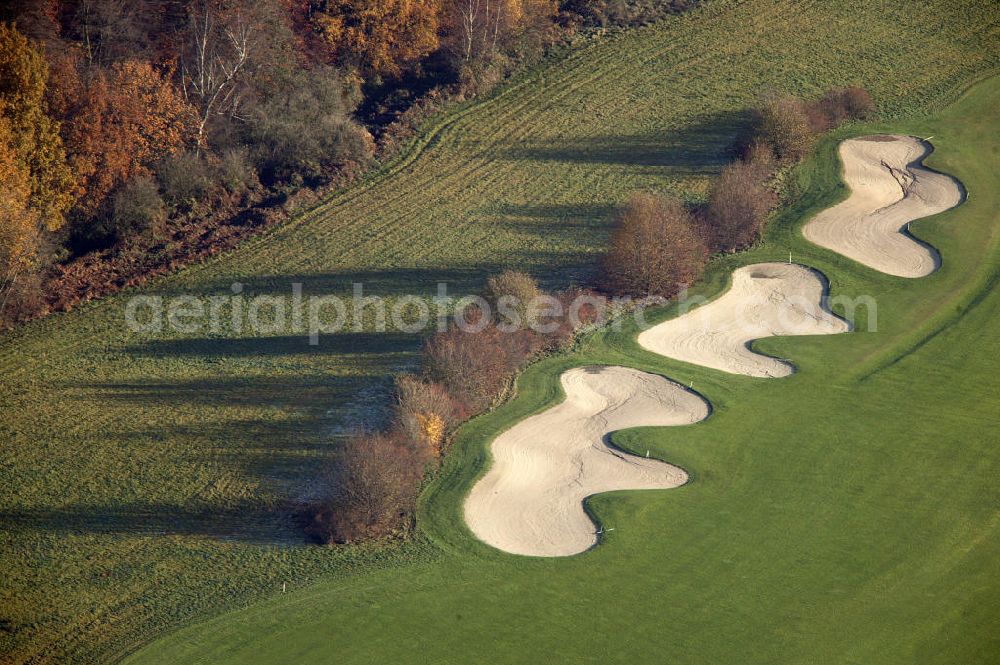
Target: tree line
<point>136,135</point>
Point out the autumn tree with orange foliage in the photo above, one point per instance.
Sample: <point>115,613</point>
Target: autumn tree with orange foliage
<point>656,248</point>
<point>19,232</point>
<point>119,123</point>
<point>18,221</point>
<point>383,37</point>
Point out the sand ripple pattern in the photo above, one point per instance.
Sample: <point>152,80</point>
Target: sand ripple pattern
<point>766,300</point>
<point>531,500</point>
<point>889,189</point>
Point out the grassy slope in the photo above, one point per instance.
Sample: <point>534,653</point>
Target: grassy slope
<point>142,480</point>
<point>847,514</point>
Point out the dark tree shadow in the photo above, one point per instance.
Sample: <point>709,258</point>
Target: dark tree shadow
<point>553,270</point>
<point>243,523</point>
<point>364,343</point>
<point>585,225</point>
<point>702,146</point>
<point>286,449</point>
<point>421,281</point>
<point>548,220</point>
<point>230,390</point>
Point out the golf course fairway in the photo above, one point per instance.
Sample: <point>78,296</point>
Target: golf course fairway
<point>847,513</point>
<point>546,466</point>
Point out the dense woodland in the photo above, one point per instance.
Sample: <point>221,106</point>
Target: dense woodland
<point>137,135</point>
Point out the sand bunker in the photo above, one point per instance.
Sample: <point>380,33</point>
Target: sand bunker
<point>531,500</point>
<point>766,299</point>
<point>889,189</point>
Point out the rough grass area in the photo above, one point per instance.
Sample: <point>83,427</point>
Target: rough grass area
<point>146,480</point>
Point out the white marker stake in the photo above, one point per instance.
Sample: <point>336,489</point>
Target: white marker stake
<point>283,584</point>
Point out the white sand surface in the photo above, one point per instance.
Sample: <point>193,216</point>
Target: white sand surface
<point>889,189</point>
<point>531,499</point>
<point>765,300</point>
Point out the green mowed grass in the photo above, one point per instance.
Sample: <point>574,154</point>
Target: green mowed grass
<point>846,514</point>
<point>146,480</point>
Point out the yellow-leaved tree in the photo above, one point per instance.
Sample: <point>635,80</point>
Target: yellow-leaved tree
<point>18,221</point>
<point>36,183</point>
<point>35,136</point>
<point>432,429</point>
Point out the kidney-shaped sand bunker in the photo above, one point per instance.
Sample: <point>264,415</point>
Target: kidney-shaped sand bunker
<point>765,300</point>
<point>531,499</point>
<point>889,189</point>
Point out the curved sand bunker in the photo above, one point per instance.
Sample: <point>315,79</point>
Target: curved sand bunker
<point>531,500</point>
<point>889,189</point>
<point>766,299</point>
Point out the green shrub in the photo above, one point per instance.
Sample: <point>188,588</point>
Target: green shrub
<point>305,125</point>
<point>136,210</point>
<point>235,171</point>
<point>510,295</point>
<point>185,179</point>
